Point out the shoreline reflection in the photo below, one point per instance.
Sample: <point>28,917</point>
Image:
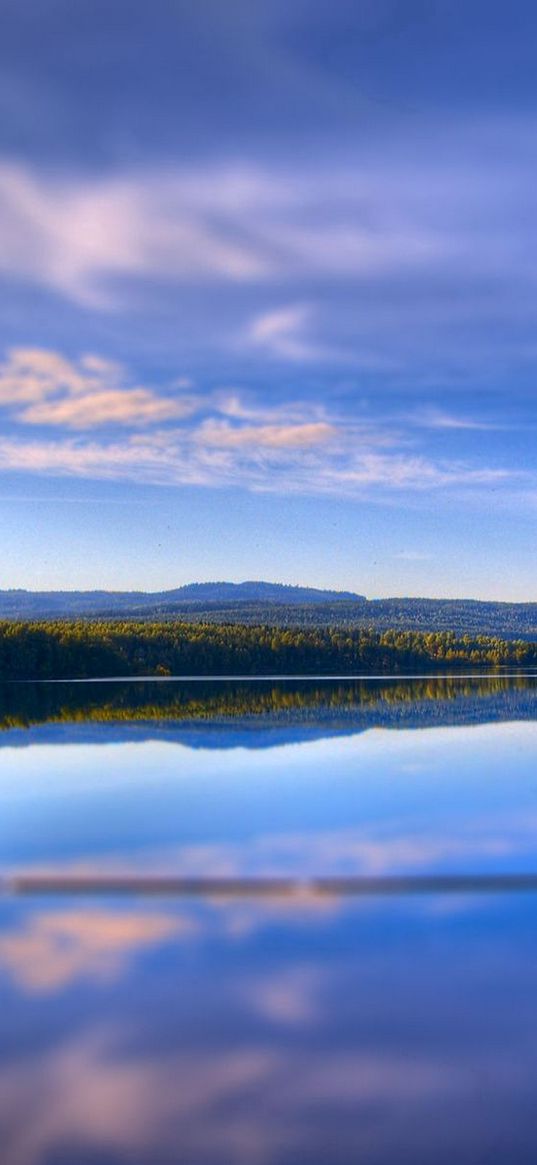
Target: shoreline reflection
<point>260,715</point>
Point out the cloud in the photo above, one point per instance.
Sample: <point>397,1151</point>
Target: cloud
<point>371,259</point>
<point>170,435</point>
<point>374,263</point>
<point>238,405</point>
<point>238,224</point>
<point>282,333</point>
<point>33,374</point>
<point>298,436</point>
<point>242,223</point>
<point>276,459</point>
<point>435,418</point>
<point>135,406</point>
<point>75,235</point>
<point>41,387</point>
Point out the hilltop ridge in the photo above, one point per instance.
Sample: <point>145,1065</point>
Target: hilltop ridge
<point>23,604</point>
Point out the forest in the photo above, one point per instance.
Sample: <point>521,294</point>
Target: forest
<point>85,650</point>
<point>271,604</point>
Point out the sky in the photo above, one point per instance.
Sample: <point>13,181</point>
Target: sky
<point>268,294</point>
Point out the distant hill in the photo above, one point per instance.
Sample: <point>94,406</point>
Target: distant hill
<point>21,604</point>
<point>255,592</point>
<point>278,605</point>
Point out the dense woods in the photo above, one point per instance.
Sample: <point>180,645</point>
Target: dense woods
<point>264,604</point>
<point>80,649</point>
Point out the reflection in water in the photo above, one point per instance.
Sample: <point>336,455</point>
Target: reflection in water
<point>282,1030</point>
<point>398,1032</point>
<point>260,713</point>
<point>54,948</point>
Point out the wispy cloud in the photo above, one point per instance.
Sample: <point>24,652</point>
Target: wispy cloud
<point>74,235</point>
<point>435,418</point>
<point>241,223</point>
<point>40,387</point>
<point>375,264</point>
<point>134,406</point>
<point>220,434</point>
<point>273,460</point>
<point>106,428</point>
<point>283,333</point>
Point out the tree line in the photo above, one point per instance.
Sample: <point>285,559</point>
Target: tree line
<point>84,650</point>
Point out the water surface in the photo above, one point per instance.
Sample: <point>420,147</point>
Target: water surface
<point>141,1029</point>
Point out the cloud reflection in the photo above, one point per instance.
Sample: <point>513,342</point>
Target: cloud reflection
<point>56,948</point>
<point>252,1105</point>
<point>483,842</point>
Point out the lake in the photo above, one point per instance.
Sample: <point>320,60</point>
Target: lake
<point>269,922</point>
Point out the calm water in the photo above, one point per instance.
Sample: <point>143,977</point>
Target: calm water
<point>248,1028</point>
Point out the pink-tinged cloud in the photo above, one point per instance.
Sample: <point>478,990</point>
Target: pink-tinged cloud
<point>286,436</point>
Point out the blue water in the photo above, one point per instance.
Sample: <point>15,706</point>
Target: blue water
<point>214,1030</point>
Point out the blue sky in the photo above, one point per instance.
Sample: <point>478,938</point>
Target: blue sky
<point>268,294</point>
